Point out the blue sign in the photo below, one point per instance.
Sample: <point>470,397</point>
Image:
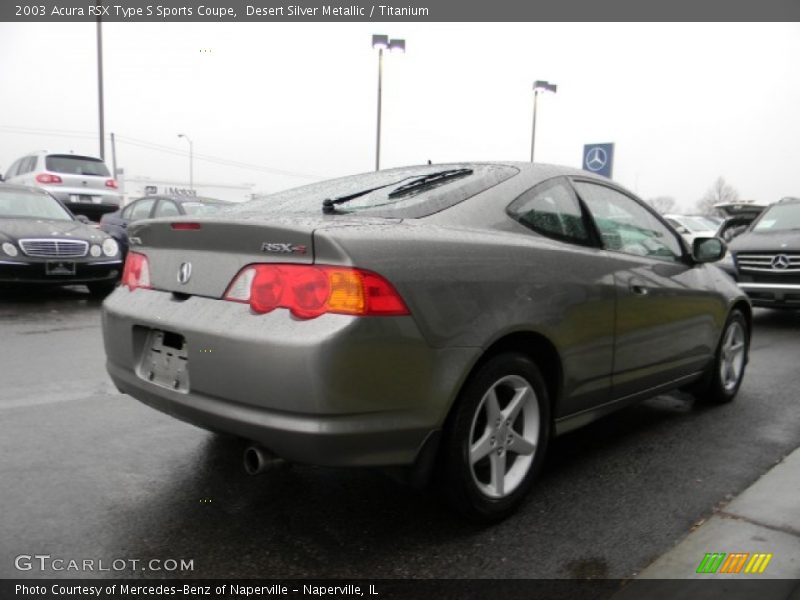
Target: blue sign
<point>598,158</point>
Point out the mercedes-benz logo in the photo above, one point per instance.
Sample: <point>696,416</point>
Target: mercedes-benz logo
<point>184,272</point>
<point>780,262</point>
<point>596,159</point>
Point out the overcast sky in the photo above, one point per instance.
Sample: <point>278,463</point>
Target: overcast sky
<point>684,103</point>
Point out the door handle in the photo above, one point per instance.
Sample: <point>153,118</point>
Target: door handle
<point>639,290</point>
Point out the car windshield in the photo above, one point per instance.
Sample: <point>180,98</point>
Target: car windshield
<point>21,204</point>
<point>69,164</point>
<point>201,208</point>
<point>779,217</point>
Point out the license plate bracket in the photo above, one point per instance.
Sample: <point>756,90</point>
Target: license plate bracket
<point>59,267</point>
<point>85,198</point>
<point>165,360</point>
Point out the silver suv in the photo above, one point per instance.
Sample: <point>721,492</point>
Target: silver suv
<point>82,183</point>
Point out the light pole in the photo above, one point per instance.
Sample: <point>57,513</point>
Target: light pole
<point>100,103</point>
<point>191,159</point>
<point>538,86</point>
<point>382,42</point>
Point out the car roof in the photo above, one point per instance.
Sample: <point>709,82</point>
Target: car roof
<point>22,188</point>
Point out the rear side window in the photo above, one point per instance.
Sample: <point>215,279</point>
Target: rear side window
<point>69,164</point>
<point>552,210</point>
<point>28,164</point>
<point>166,208</point>
<point>140,210</point>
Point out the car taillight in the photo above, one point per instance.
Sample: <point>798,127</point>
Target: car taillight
<point>309,291</point>
<point>136,273</point>
<point>48,178</point>
<point>111,183</point>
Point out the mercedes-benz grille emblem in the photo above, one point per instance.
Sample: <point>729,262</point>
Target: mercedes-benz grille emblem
<point>184,272</point>
<point>780,262</point>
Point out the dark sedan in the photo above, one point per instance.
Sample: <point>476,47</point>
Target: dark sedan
<point>116,224</point>
<point>42,242</point>
<point>446,318</point>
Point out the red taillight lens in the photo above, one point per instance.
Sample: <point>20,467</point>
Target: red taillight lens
<point>111,183</point>
<point>185,226</point>
<point>48,178</point>
<point>309,291</point>
<point>136,273</point>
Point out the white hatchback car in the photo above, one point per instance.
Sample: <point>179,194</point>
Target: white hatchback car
<point>82,183</point>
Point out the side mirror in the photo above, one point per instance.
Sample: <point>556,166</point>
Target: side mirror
<point>83,219</point>
<point>707,249</point>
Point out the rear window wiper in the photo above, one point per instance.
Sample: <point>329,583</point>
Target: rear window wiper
<point>417,183</point>
<point>429,180</point>
<point>329,204</point>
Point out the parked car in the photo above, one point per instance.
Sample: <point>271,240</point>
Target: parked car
<point>116,223</point>
<point>765,259</point>
<point>738,217</point>
<point>445,318</point>
<point>692,226</point>
<point>81,183</point>
<point>42,242</point>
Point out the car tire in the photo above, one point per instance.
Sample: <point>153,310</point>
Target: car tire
<point>101,289</point>
<point>494,442</point>
<point>722,381</point>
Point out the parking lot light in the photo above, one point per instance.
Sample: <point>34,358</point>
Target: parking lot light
<point>539,86</point>
<point>382,42</point>
<point>191,159</point>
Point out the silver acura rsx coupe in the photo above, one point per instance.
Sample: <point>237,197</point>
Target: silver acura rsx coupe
<point>446,318</point>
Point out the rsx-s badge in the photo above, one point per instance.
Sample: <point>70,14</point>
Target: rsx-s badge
<point>281,248</point>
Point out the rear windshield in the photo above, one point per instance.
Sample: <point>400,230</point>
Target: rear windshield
<point>780,217</point>
<point>698,224</point>
<point>201,208</point>
<point>425,190</point>
<point>76,165</point>
<point>21,204</point>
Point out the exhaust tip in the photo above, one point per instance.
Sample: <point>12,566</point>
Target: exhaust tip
<point>258,460</point>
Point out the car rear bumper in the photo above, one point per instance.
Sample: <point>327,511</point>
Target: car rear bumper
<point>335,390</point>
<point>774,295</point>
<point>35,271</point>
<point>89,202</point>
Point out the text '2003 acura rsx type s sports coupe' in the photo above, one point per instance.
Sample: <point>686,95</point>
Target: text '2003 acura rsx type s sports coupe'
<point>448,318</point>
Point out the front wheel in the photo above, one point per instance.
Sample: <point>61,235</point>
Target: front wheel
<point>722,382</point>
<point>494,443</point>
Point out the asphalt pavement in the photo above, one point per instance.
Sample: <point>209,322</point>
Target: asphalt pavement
<point>88,473</point>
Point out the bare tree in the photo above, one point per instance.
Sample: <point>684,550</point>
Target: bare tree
<point>662,204</point>
<point>721,191</point>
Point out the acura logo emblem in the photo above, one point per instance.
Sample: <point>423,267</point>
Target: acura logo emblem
<point>184,272</point>
<point>780,262</point>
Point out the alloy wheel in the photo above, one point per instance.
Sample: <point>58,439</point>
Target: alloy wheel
<point>504,436</point>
